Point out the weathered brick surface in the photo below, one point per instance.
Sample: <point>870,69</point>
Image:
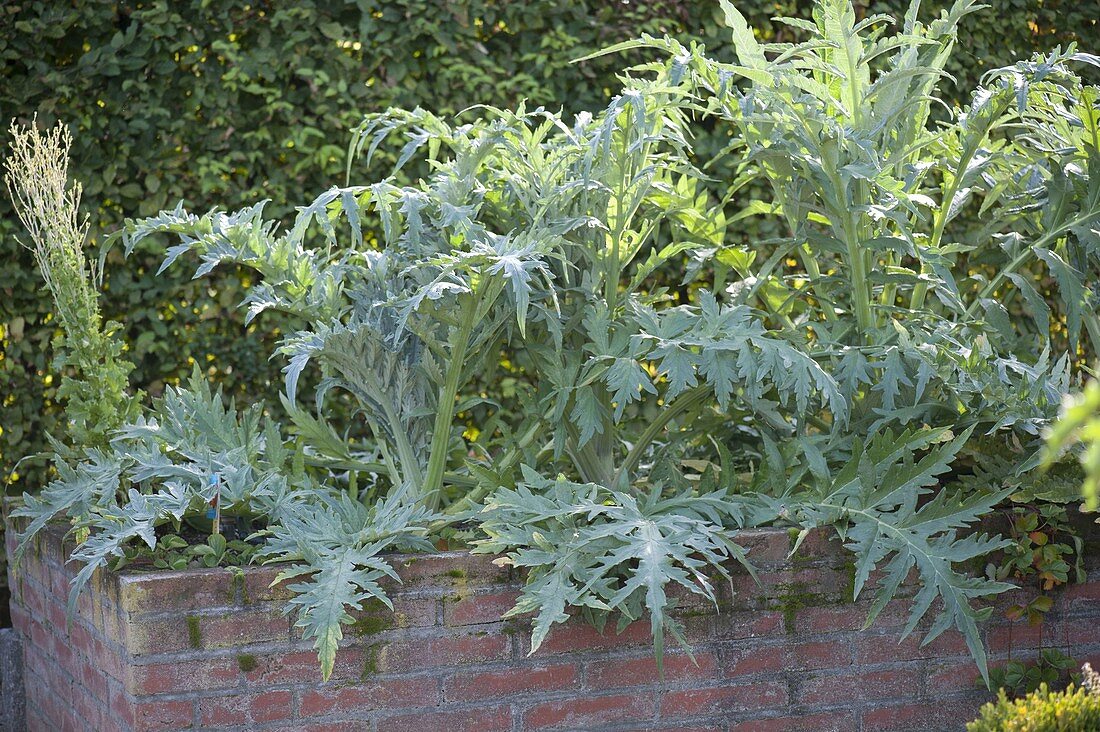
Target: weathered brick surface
<point>212,650</point>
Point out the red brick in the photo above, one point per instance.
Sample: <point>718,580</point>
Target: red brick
<point>224,710</point>
<point>948,676</point>
<point>826,722</point>
<point>69,672</point>
<point>90,710</point>
<point>39,637</point>
<point>59,581</point>
<point>684,601</point>
<point>820,655</point>
<point>230,629</point>
<point>1086,591</point>
<point>59,682</point>
<point>119,706</point>
<point>765,546</point>
<point>1008,636</point>
<point>739,625</point>
<point>55,615</point>
<point>887,648</point>
<point>1090,655</point>
<point>33,599</point>
<point>295,667</point>
<point>272,705</point>
<point>195,675</point>
<point>890,684</point>
<point>477,609</point>
<point>581,712</point>
<point>268,706</point>
<point>1075,633</point>
<point>831,619</point>
<point>93,679</point>
<point>474,720</point>
<point>60,650</point>
<point>642,670</point>
<point>258,587</point>
<point>775,657</point>
<point>19,616</point>
<point>110,661</point>
<point>942,714</point>
<point>499,684</point>
<point>36,721</point>
<point>724,699</point>
<point>158,714</point>
<point>698,628</point>
<point>415,612</point>
<point>817,580</point>
<point>742,661</point>
<point>417,653</point>
<point>288,668</point>
<point>389,694</point>
<point>68,721</point>
<point>577,635</point>
<point>821,544</point>
<point>81,639</point>
<point>327,726</point>
<point>451,570</point>
<point>181,591</point>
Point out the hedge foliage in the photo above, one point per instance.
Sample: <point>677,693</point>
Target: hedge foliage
<point>235,101</point>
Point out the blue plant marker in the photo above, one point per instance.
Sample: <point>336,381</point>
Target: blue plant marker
<point>211,511</point>
<point>214,512</point>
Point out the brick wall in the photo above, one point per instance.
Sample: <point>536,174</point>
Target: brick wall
<point>210,649</point>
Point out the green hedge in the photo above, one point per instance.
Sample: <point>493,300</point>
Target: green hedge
<point>231,101</point>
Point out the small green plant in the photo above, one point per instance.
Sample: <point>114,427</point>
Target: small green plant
<point>1077,709</point>
<point>174,552</point>
<point>1020,678</point>
<point>1045,551</point>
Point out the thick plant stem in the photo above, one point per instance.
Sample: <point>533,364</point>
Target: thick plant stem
<point>1026,254</point>
<point>920,291</point>
<point>681,404</point>
<point>860,296</point>
<point>860,284</point>
<point>441,428</point>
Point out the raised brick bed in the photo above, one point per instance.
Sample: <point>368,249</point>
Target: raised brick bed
<point>210,649</point>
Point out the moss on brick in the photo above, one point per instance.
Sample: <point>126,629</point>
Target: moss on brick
<point>246,662</point>
<point>194,632</point>
<point>371,624</point>
<point>238,589</point>
<point>695,612</point>
<point>849,567</point>
<point>376,618</point>
<point>370,661</point>
<point>795,596</point>
<point>456,574</point>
